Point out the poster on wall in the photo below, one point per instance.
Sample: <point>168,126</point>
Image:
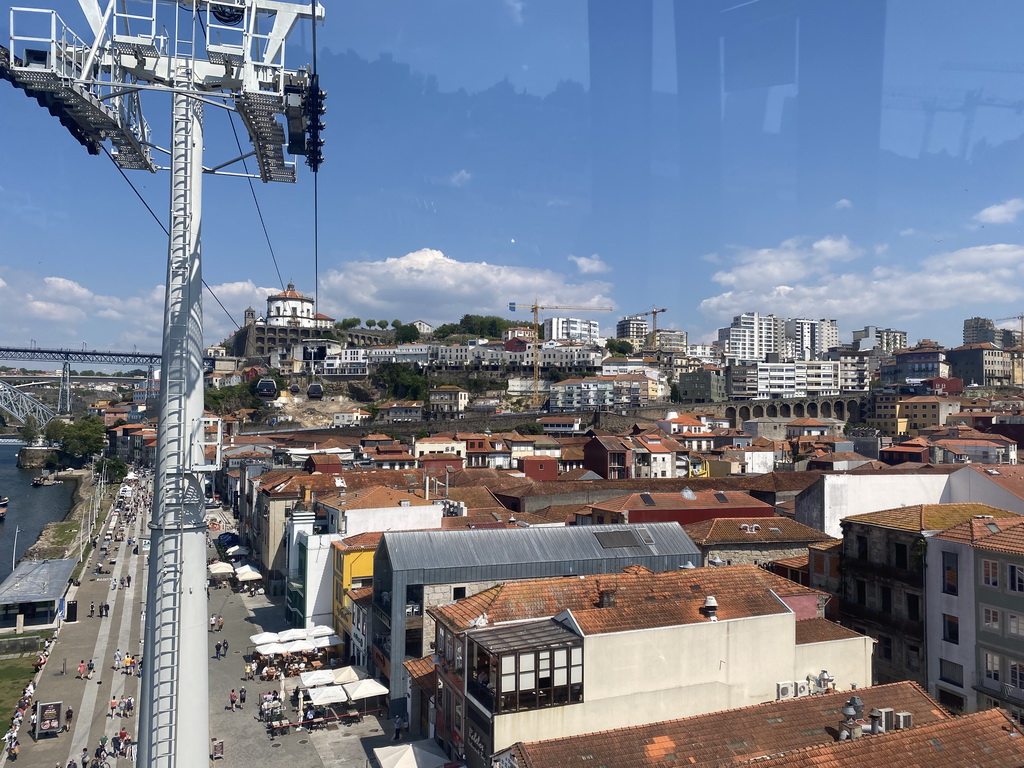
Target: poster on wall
<point>48,718</point>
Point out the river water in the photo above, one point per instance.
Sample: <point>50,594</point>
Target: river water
<point>29,509</point>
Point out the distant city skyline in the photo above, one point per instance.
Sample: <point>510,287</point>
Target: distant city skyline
<point>877,187</point>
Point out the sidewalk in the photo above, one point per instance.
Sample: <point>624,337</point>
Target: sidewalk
<point>96,639</point>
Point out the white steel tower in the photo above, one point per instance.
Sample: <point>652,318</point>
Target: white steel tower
<point>227,54</point>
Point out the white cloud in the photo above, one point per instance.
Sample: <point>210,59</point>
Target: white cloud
<point>590,265</point>
<point>841,204</point>
<point>908,232</point>
<point>428,285</point>
<point>793,280</point>
<point>53,311</point>
<point>1003,213</point>
<point>460,178</point>
<point>515,9</point>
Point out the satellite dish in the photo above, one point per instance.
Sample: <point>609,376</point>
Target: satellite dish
<point>686,493</point>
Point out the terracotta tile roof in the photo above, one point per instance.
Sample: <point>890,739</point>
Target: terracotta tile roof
<point>926,517</point>
<point>1010,541</point>
<point>642,599</point>
<point>821,631</point>
<point>474,497</point>
<point>367,540</point>
<point>826,546</point>
<point>976,529</point>
<point>800,561</point>
<point>733,736</point>
<point>422,673</point>
<point>701,500</point>
<point>806,422</point>
<point>360,594</point>
<point>739,530</point>
<point>989,738</point>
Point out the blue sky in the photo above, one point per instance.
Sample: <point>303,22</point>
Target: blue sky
<point>860,161</point>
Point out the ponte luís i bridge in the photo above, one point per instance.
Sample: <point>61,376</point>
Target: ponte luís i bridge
<point>22,405</point>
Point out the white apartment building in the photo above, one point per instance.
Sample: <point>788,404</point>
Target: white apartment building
<point>873,337</point>
<point>632,327</point>
<point>810,339</point>
<point>572,329</point>
<point>752,337</point>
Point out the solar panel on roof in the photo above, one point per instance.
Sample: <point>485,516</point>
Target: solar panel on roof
<point>617,539</point>
<point>647,499</point>
<point>722,497</point>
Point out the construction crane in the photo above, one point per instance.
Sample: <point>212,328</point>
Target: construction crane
<point>536,308</point>
<point>654,323</point>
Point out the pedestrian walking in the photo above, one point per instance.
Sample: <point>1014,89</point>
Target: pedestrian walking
<point>90,668</point>
<point>113,707</point>
<point>113,584</point>
<point>69,713</point>
<point>117,659</point>
<point>233,698</point>
<point>85,757</point>
<point>220,623</point>
<point>92,609</point>
<point>129,706</point>
<point>106,609</point>
<point>121,583</point>
<point>398,728</point>
<point>213,622</point>
<point>225,646</point>
<point>81,670</point>
<point>217,648</point>
<point>128,580</point>
<point>241,697</point>
<point>121,707</point>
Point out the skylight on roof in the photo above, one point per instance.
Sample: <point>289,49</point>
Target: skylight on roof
<point>992,527</point>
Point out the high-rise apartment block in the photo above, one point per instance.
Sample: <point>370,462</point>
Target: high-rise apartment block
<point>979,330</point>
<point>571,329</point>
<point>632,327</point>
<point>885,339</point>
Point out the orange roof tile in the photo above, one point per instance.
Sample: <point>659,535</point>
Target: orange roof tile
<point>926,517</point>
<point>741,529</point>
<point>821,630</point>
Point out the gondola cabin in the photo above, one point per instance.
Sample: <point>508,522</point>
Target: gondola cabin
<point>315,391</point>
<point>294,389</point>
<point>266,389</point>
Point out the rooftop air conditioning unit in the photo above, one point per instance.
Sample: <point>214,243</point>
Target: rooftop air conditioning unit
<point>904,720</point>
<point>784,690</point>
<point>888,718</point>
<point>801,688</point>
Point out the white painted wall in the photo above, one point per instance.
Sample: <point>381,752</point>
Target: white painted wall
<point>633,678</point>
<point>320,579</point>
<point>393,518</point>
<point>962,605</point>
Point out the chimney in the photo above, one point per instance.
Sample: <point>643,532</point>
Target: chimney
<point>875,715</point>
<point>606,595</point>
<point>849,728</point>
<point>711,608</point>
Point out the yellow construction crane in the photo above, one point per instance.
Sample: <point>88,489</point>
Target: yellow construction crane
<point>654,324</point>
<point>536,308</point>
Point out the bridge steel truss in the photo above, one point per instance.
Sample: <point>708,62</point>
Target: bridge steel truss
<point>21,405</point>
<point>40,354</point>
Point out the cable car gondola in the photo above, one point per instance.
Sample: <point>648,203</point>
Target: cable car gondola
<point>294,389</point>
<point>315,391</point>
<point>267,389</point>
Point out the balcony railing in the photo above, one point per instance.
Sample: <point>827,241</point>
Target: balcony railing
<point>856,566</point>
<point>999,690</point>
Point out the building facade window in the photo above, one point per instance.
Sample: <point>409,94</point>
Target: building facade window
<point>951,629</point>
<point>862,592</point>
<point>950,573</point>
<point>1015,624</point>
<point>1016,578</point>
<point>885,647</point>
<point>1017,674</point>
<point>991,663</point>
<point>951,672</point>
<point>885,593</point>
<point>900,556</point>
<point>990,619</point>
<point>990,573</point>
<point>862,547</point>
<point>913,607</point>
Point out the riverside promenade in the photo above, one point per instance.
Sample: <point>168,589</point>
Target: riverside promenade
<point>246,742</point>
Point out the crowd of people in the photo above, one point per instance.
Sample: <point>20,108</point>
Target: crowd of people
<point>22,710</point>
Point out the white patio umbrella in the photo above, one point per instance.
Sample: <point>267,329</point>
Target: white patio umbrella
<point>364,689</point>
<point>237,550</point>
<point>290,635</point>
<point>344,675</point>
<point>271,649</point>
<point>248,575</point>
<point>318,677</point>
<point>327,694</point>
<point>263,638</point>
<point>319,630</point>
<point>245,568</point>
<point>299,646</point>
<point>327,642</point>
<point>417,754</point>
<point>220,567</point>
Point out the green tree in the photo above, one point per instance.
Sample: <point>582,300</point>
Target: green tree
<point>382,324</point>
<point>406,334</point>
<point>348,323</point>
<point>400,381</point>
<point>30,430</point>
<point>617,347</point>
<point>84,437</point>
<point>113,469</point>
<point>396,324</point>
<point>370,323</point>
<point>54,430</point>
<point>529,428</point>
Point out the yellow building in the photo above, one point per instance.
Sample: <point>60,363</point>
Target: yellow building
<point>353,574</point>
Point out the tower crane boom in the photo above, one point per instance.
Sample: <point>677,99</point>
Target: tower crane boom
<point>1019,318</point>
<point>536,308</point>
<point>654,322</point>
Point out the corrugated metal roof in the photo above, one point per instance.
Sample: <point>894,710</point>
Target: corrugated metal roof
<point>433,549</point>
<point>36,581</point>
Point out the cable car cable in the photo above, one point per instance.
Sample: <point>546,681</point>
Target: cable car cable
<point>316,184</point>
